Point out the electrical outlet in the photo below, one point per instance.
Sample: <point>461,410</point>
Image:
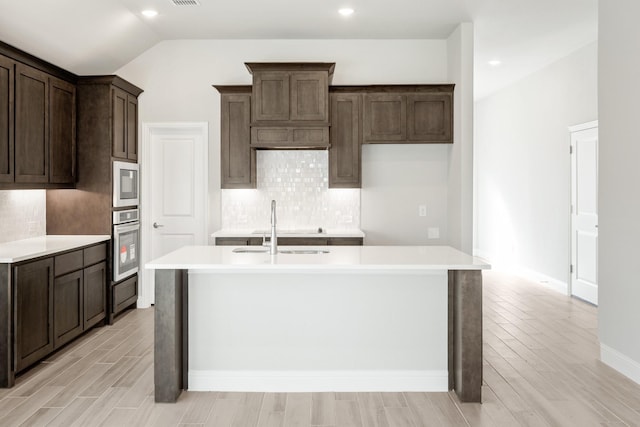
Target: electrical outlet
<point>422,210</point>
<point>433,233</point>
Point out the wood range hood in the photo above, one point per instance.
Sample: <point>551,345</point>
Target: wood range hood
<point>290,104</point>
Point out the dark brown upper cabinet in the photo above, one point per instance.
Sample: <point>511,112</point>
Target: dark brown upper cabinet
<point>430,118</point>
<point>346,130</point>
<point>290,94</point>
<point>62,131</point>
<point>408,114</point>
<point>108,113</point>
<point>31,125</point>
<point>7,73</point>
<point>125,124</point>
<point>385,117</point>
<point>37,123</point>
<point>237,158</point>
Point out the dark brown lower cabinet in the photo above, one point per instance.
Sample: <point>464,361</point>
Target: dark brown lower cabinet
<point>56,299</point>
<point>124,294</point>
<point>34,309</point>
<point>67,307</point>
<point>95,294</point>
<point>291,241</point>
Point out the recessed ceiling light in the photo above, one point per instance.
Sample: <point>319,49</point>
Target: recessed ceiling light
<point>149,13</point>
<point>495,62</point>
<point>346,11</point>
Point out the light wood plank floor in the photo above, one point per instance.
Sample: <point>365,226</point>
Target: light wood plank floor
<point>541,368</point>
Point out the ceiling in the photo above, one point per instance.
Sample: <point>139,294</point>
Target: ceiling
<point>100,36</point>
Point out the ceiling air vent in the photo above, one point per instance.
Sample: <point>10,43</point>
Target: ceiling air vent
<point>185,2</point>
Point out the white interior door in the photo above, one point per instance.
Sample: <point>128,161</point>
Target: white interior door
<point>584,212</point>
<point>177,189</point>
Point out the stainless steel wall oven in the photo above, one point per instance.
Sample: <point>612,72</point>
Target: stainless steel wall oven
<point>126,243</point>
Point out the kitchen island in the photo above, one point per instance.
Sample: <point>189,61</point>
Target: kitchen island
<point>355,318</point>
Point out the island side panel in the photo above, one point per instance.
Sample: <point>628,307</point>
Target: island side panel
<point>7,373</point>
<point>169,327</point>
<point>467,334</point>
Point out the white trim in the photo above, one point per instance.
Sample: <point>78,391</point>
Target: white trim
<point>583,126</point>
<point>318,381</point>
<point>546,281</point>
<point>146,278</point>
<point>524,272</point>
<point>620,362</point>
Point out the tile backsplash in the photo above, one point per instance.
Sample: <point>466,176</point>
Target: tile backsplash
<point>22,214</point>
<point>298,180</point>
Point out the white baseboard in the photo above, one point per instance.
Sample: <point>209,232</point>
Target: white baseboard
<point>544,280</point>
<point>319,381</point>
<point>620,362</point>
<point>524,272</point>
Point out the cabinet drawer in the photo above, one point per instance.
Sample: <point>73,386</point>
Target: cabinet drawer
<point>345,241</point>
<point>303,137</point>
<point>95,254</point>
<point>124,294</point>
<point>68,262</point>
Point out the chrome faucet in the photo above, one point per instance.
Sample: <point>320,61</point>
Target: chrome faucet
<point>273,246</point>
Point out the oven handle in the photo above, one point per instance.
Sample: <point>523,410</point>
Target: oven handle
<point>123,228</point>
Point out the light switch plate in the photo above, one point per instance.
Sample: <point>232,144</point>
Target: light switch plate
<point>422,210</point>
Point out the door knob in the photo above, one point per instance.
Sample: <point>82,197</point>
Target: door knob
<point>156,225</point>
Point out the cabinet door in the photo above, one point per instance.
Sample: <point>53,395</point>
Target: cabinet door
<point>34,311</point>
<point>429,118</point>
<point>132,127</point>
<point>62,135</point>
<point>344,154</point>
<point>124,294</point>
<point>309,96</point>
<point>238,159</point>
<point>119,124</point>
<point>95,294</point>
<point>7,67</point>
<point>270,96</point>
<point>31,125</point>
<point>67,307</point>
<point>385,118</point>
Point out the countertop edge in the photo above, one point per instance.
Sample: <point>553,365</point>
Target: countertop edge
<point>36,247</point>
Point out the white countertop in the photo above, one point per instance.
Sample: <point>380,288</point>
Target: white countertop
<point>289,233</point>
<point>21,250</point>
<point>339,259</point>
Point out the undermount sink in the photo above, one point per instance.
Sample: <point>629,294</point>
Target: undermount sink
<point>303,251</point>
<point>250,250</point>
<point>318,230</point>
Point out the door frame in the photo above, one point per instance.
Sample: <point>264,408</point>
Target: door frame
<point>146,280</point>
<point>572,129</point>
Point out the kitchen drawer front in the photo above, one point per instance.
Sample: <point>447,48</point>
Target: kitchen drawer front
<point>68,262</point>
<point>346,241</point>
<point>302,241</point>
<point>238,241</point>
<point>303,137</point>
<point>95,254</point>
<point>124,294</point>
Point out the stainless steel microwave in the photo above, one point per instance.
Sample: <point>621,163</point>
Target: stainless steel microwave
<point>125,184</point>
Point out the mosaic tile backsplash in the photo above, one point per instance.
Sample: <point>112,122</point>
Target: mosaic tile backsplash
<point>298,180</point>
<point>22,214</point>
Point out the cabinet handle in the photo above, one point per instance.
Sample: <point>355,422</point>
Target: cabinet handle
<point>156,225</point>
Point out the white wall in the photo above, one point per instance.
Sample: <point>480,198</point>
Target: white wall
<point>619,204</point>
<point>523,164</point>
<point>460,181</point>
<point>177,78</point>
